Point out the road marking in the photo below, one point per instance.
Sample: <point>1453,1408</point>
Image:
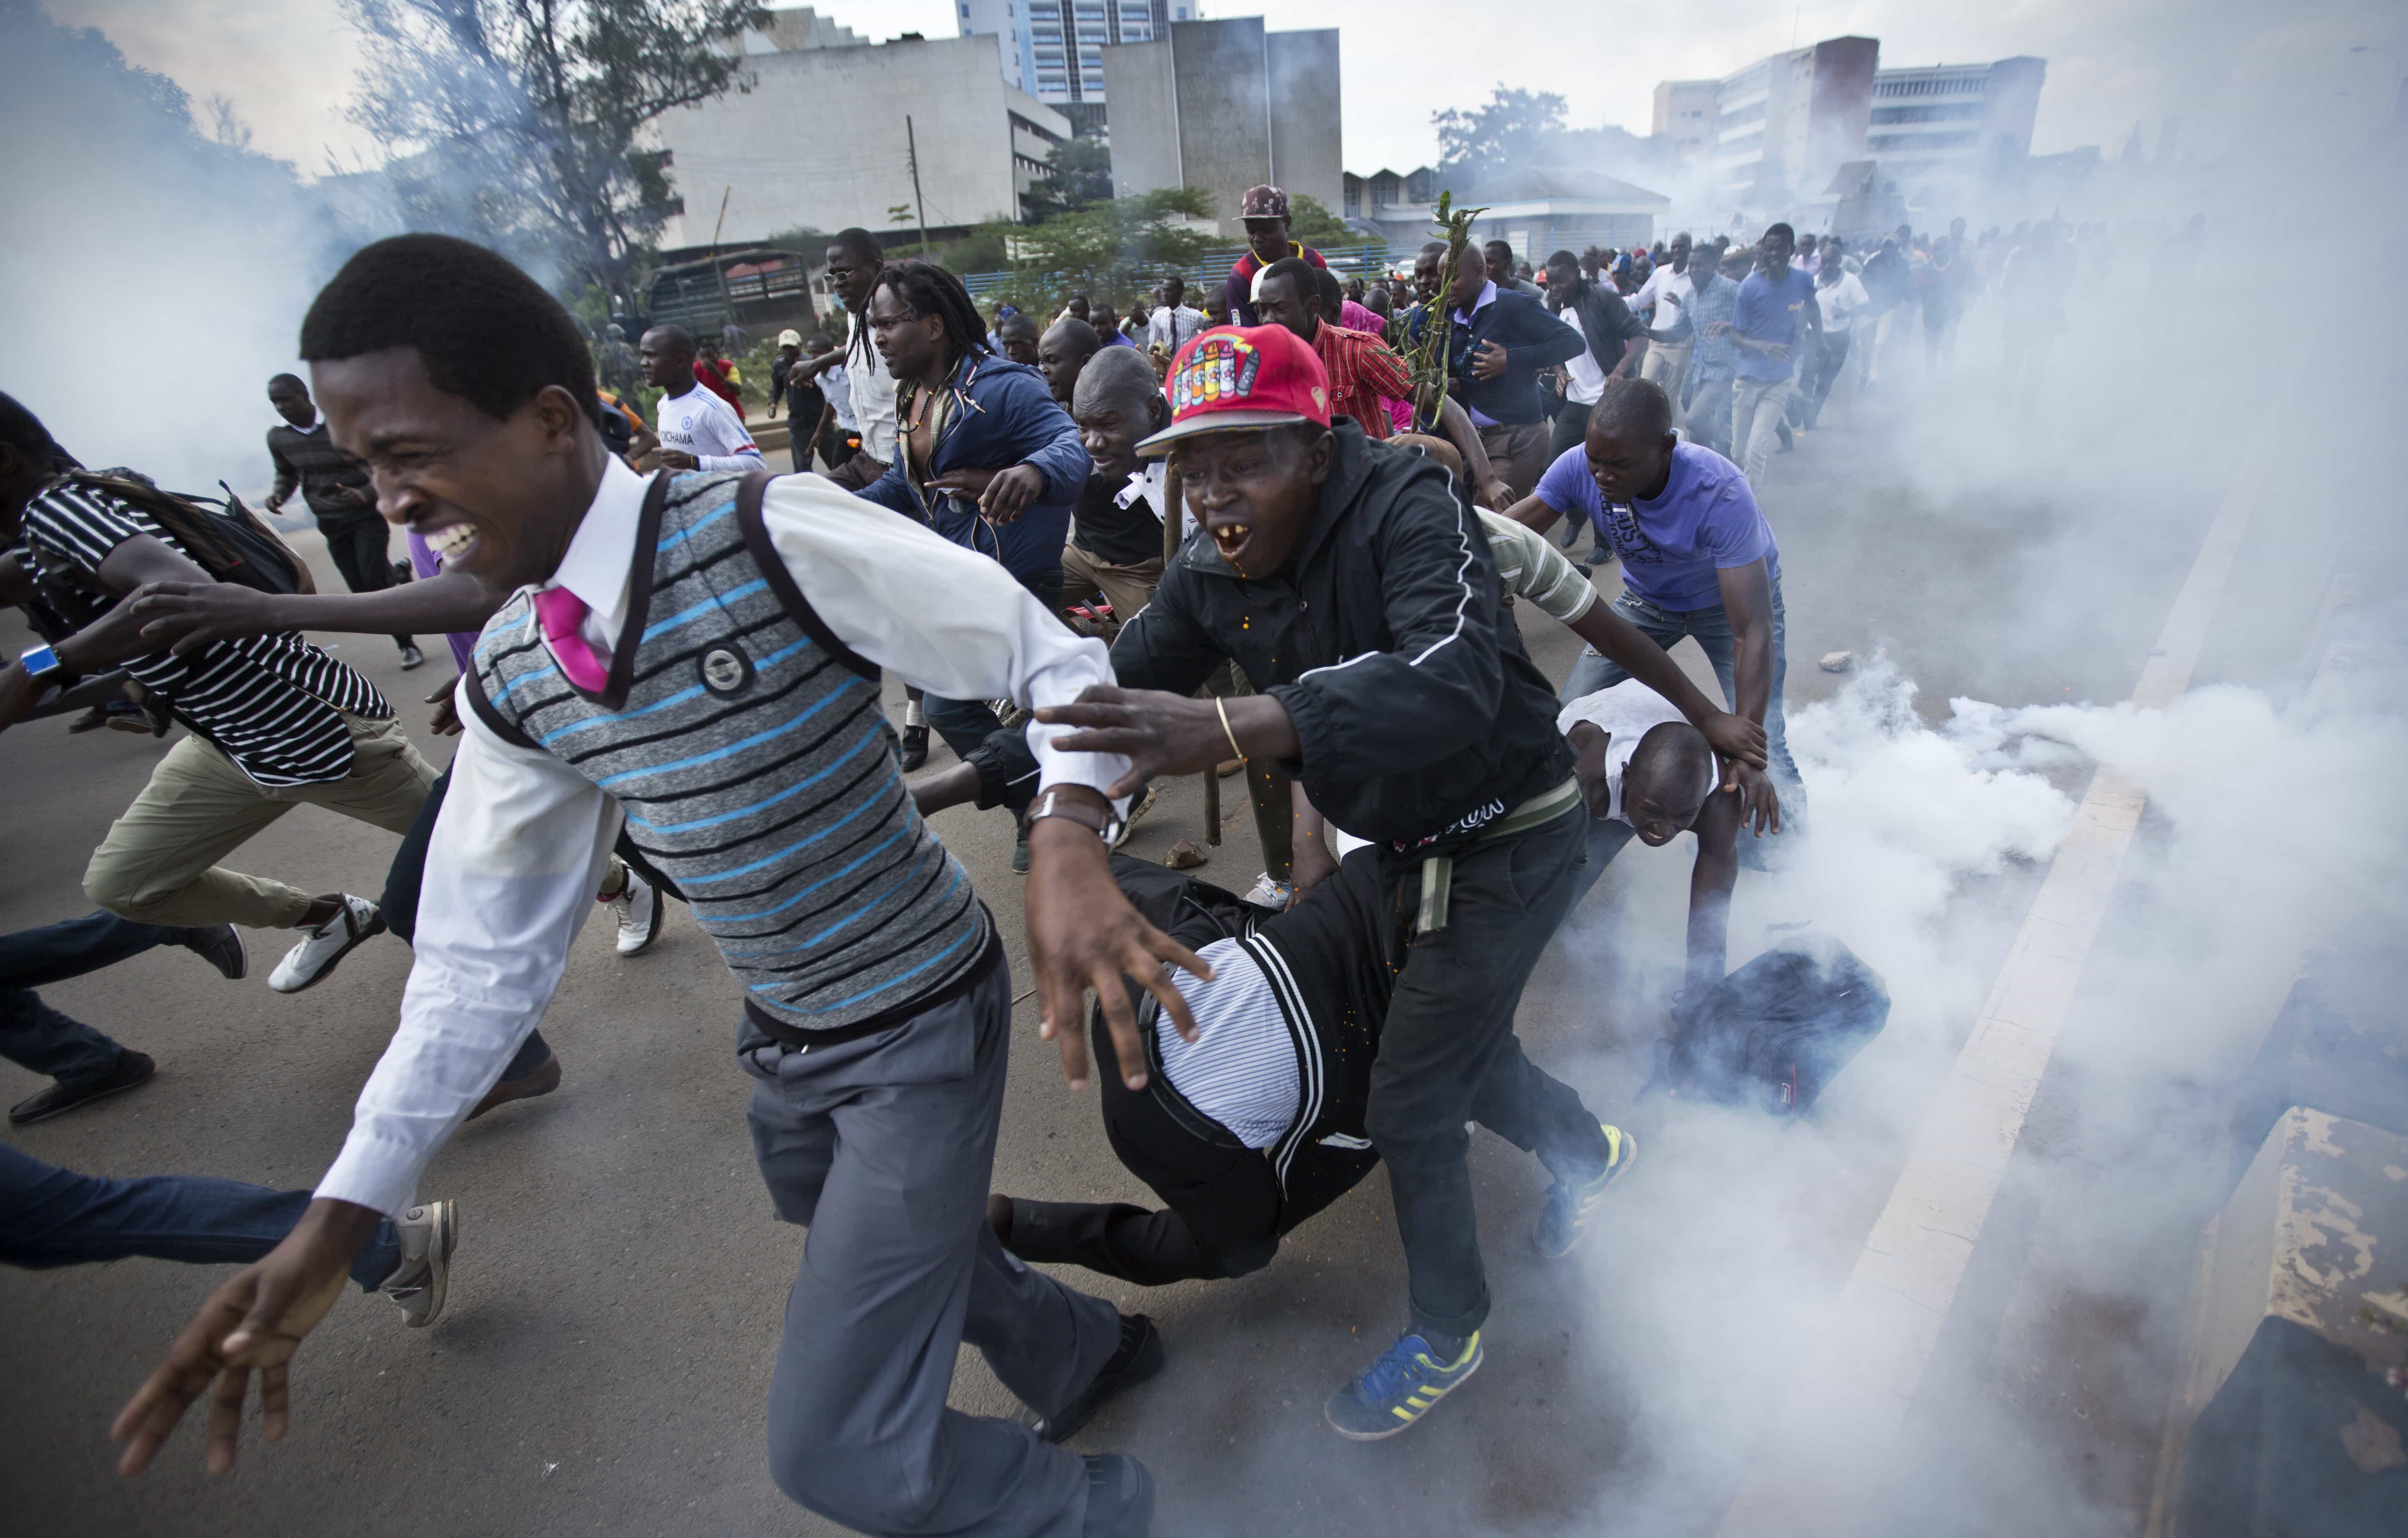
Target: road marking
<point>1864,1366</point>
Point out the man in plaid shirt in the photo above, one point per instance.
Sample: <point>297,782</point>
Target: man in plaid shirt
<point>1365,373</point>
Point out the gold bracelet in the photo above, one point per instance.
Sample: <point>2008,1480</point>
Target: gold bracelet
<point>1223,710</point>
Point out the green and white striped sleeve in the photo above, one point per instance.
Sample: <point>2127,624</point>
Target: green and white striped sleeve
<point>1534,569</point>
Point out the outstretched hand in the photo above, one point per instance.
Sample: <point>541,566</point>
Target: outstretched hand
<point>1082,934</point>
<point>252,1324</point>
<point>185,617</point>
<point>1163,734</point>
<point>1760,803</point>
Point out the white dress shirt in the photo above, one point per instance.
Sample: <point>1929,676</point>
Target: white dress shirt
<point>1668,291</point>
<point>874,396</point>
<point>522,840</point>
<point>1170,329</point>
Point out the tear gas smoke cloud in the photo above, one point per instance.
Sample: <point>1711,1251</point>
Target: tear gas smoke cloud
<point>154,278</point>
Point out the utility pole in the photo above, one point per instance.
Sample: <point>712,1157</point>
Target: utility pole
<point>911,143</point>
<point>718,270</point>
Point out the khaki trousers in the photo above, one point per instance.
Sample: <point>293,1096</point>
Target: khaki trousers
<point>1667,363</point>
<point>159,863</point>
<point>1128,587</point>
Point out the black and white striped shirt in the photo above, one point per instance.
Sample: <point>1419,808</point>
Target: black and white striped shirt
<point>268,702</point>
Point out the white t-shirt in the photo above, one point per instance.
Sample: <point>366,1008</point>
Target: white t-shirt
<point>1625,712</point>
<point>873,398</point>
<point>1842,301</point>
<point>700,423</point>
<point>1668,291</point>
<point>1584,381</point>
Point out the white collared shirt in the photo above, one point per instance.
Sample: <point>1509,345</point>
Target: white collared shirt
<point>524,838</point>
<point>874,396</point>
<point>1170,329</point>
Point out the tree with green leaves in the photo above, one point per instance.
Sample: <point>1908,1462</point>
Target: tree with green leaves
<point>1516,127</point>
<point>1078,172</point>
<point>1310,220</point>
<point>1092,249</point>
<point>520,122</point>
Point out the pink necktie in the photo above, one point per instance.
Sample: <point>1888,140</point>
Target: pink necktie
<point>561,613</point>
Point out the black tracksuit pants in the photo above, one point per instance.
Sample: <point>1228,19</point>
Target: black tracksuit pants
<point>359,542</point>
<point>1448,1055</point>
<point>1226,1214</point>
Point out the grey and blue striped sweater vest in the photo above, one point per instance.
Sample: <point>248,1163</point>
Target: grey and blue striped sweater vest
<point>751,750</point>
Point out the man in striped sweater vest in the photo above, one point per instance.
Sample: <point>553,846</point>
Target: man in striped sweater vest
<point>695,656</point>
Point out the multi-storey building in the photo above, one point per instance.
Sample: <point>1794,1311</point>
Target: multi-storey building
<point>1054,49</point>
<point>1224,105</point>
<point>1781,128</point>
<point>1940,118</point>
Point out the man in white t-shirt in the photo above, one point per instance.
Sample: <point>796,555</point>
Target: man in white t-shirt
<point>698,430</point>
<point>855,259</point>
<point>1647,773</point>
<point>1841,294</point>
<point>1663,301</point>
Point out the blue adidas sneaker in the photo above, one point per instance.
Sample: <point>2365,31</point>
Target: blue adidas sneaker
<point>1565,1219</point>
<point>1399,1389</point>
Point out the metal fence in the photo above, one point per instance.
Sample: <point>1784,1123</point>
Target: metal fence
<point>1210,269</point>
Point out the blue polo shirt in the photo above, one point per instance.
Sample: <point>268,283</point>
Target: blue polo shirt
<point>1672,546</point>
<point>1771,309</point>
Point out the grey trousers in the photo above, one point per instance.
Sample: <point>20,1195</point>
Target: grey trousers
<point>884,1146</point>
<point>1757,406</point>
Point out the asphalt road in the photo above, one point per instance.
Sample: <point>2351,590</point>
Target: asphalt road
<point>615,1303</point>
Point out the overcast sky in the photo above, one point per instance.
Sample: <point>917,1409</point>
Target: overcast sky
<point>2227,68</point>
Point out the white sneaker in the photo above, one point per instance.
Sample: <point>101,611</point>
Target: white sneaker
<point>321,949</point>
<point>640,914</point>
<point>428,1233</point>
<point>1268,894</point>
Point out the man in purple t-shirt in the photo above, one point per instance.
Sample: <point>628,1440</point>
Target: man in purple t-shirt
<point>1698,560</point>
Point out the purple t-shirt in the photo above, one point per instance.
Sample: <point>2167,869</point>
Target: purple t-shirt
<point>1706,522</point>
<point>425,562</point>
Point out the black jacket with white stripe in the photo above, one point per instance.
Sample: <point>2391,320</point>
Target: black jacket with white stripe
<point>1332,962</point>
<point>1419,715</point>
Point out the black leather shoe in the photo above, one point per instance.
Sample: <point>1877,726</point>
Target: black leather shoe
<point>132,1068</point>
<point>221,946</point>
<point>1140,1357</point>
<point>915,747</point>
<point>1120,1497</point>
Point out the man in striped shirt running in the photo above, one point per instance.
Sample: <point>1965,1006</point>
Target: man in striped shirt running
<point>274,722</point>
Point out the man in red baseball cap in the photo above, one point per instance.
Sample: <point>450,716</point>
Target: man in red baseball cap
<point>1264,209</point>
<point>1362,601</point>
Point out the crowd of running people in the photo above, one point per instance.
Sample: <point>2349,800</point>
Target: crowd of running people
<point>1241,538</point>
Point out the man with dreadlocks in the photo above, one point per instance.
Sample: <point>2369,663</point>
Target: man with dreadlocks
<point>985,455</point>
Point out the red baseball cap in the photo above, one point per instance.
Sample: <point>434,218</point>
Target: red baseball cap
<point>1237,378</point>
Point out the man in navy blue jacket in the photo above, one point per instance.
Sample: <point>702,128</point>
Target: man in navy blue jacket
<point>1498,340</point>
<point>985,455</point>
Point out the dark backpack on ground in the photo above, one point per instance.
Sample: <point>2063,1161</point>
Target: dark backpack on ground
<point>227,540</point>
<point>1775,1033</point>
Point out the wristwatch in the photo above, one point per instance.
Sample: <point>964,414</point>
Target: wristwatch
<point>1103,824</point>
<point>38,661</point>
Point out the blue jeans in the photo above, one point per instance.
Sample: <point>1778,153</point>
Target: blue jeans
<point>34,1036</point>
<point>50,1217</point>
<point>1711,629</point>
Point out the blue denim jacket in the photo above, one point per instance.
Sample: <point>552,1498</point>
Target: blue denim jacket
<point>1001,414</point>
